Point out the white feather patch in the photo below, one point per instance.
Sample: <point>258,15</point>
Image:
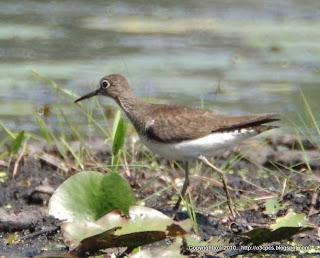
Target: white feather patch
<point>214,144</point>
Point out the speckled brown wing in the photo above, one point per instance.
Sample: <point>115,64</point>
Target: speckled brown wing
<point>173,124</point>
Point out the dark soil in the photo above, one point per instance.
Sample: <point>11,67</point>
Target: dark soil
<point>276,169</point>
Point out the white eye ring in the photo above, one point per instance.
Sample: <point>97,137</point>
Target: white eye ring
<point>105,84</point>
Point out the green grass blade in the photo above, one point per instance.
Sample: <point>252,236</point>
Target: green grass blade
<point>7,130</point>
<point>17,143</point>
<point>310,113</point>
<point>5,140</point>
<point>74,131</point>
<point>116,121</point>
<point>119,137</point>
<point>60,123</point>
<point>192,213</point>
<point>89,116</point>
<point>76,157</point>
<point>102,113</point>
<point>304,154</point>
<point>45,131</point>
<point>53,84</point>
<point>34,136</point>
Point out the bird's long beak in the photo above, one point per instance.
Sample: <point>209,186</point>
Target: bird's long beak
<point>89,95</point>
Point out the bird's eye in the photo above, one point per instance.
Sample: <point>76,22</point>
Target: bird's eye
<point>105,84</point>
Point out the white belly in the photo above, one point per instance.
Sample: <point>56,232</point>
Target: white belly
<point>209,146</point>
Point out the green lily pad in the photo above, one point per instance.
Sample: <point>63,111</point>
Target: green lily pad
<point>87,196</point>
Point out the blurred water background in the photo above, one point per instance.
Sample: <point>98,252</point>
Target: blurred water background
<point>234,56</point>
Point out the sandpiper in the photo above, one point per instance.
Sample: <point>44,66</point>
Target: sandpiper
<point>182,133</point>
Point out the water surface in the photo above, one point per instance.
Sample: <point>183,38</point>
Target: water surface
<point>236,57</point>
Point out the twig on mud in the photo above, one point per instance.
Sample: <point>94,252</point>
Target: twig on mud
<point>53,161</point>
<point>17,163</point>
<point>213,182</point>
<point>266,197</point>
<point>4,163</point>
<point>284,185</point>
<point>313,203</point>
<point>255,185</point>
<point>38,233</point>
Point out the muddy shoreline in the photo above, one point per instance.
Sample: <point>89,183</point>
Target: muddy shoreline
<point>278,168</point>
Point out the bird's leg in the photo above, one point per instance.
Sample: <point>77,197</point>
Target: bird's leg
<point>184,188</point>
<point>224,181</point>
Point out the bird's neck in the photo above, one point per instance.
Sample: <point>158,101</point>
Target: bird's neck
<point>132,107</point>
